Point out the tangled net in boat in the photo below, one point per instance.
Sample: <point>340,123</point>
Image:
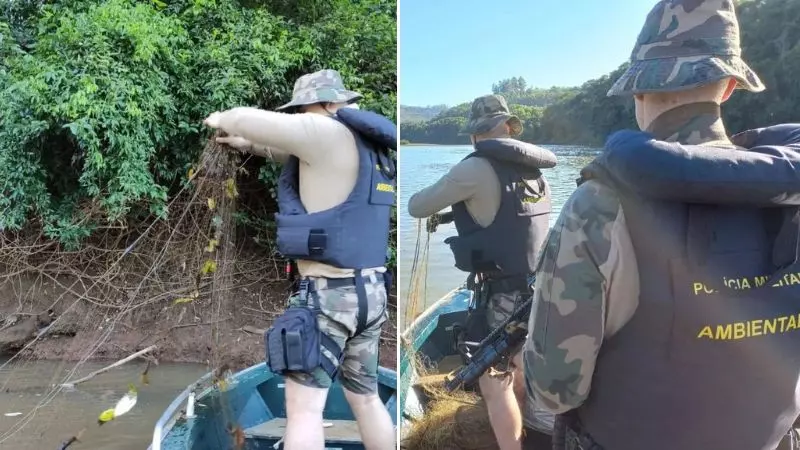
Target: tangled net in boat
<point>176,273</point>
<point>455,420</point>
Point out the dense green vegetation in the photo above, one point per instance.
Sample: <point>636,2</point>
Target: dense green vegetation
<point>101,102</point>
<point>585,115</point>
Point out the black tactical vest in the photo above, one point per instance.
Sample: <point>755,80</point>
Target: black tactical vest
<point>510,245</point>
<point>355,233</point>
<point>711,358</point>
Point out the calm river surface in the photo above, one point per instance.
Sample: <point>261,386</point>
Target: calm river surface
<point>421,166</point>
<point>25,385</point>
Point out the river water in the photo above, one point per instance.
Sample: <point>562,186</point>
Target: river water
<point>421,166</point>
<point>24,385</point>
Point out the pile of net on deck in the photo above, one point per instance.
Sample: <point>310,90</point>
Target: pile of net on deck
<point>453,420</point>
<point>175,272</point>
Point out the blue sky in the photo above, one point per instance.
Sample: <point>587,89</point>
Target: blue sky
<point>451,51</point>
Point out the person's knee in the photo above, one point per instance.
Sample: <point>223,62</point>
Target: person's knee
<point>360,387</point>
<point>359,370</point>
<point>305,393</point>
<point>361,400</point>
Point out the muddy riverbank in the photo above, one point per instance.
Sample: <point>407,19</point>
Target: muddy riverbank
<point>184,333</point>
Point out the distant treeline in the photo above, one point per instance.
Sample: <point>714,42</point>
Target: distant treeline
<point>586,116</point>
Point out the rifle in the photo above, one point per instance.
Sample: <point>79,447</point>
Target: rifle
<point>499,344</point>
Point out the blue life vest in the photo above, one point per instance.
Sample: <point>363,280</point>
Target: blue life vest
<point>510,245</point>
<point>711,357</point>
<point>354,234</point>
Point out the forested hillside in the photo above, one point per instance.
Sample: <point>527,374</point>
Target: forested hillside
<point>585,115</point>
<point>419,113</point>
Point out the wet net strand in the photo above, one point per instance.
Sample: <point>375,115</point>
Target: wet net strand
<point>455,420</point>
<point>418,280</point>
<point>187,261</point>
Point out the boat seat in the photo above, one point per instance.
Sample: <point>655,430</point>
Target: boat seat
<point>341,431</point>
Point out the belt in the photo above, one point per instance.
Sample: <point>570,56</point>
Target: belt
<point>334,283</point>
<point>308,285</point>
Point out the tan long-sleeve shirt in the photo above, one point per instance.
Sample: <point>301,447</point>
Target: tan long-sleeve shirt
<point>328,161</point>
<point>472,181</point>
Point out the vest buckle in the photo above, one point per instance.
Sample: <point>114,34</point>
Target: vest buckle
<point>317,242</point>
<point>303,290</point>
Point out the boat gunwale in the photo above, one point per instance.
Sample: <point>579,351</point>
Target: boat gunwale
<point>168,418</point>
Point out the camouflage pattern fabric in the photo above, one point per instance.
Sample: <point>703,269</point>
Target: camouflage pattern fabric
<point>587,281</point>
<point>488,112</point>
<point>686,44</point>
<point>690,124</point>
<point>567,320</point>
<point>338,319</point>
<point>501,305</point>
<point>324,86</point>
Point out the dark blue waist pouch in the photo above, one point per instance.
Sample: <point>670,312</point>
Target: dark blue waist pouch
<point>294,344</point>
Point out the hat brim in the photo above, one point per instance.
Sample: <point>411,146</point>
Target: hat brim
<point>349,96</point>
<point>682,73</point>
<point>488,124</point>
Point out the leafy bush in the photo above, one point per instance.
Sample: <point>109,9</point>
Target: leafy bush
<point>101,102</point>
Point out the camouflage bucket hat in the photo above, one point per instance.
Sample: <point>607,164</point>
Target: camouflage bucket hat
<point>488,112</point>
<point>324,86</point>
<point>685,44</point>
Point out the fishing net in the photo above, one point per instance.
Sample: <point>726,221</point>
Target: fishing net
<point>182,279</point>
<point>455,420</point>
<point>418,281</point>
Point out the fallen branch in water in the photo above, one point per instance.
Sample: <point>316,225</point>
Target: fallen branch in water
<point>107,368</point>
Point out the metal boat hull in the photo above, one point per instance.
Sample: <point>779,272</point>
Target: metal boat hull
<point>254,400</point>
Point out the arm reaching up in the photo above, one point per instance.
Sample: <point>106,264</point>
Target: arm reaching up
<point>304,135</point>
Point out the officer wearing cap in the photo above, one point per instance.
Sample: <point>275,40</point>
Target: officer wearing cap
<point>665,311</point>
<point>501,208</point>
<point>335,194</point>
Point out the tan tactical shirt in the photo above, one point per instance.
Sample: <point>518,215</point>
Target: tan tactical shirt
<point>472,181</point>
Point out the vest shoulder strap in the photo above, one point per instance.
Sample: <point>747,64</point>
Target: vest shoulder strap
<point>374,127</point>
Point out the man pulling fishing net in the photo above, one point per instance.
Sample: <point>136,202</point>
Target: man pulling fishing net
<point>335,195</point>
<point>501,208</point>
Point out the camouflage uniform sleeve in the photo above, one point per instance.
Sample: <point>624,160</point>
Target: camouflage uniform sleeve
<point>587,258</point>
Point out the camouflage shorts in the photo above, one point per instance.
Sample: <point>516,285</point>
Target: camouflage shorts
<point>480,322</point>
<point>501,305</point>
<point>338,319</point>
